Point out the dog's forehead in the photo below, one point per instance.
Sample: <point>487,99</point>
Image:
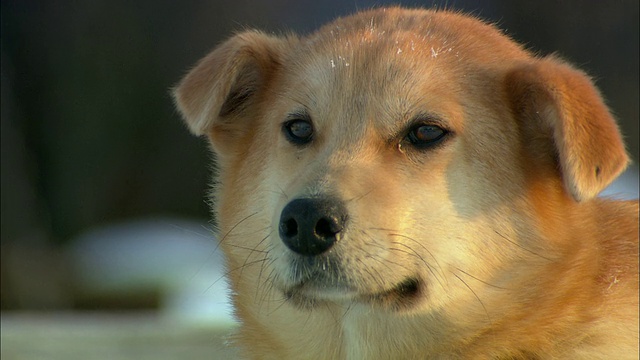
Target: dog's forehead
<point>391,64</point>
<point>431,30</point>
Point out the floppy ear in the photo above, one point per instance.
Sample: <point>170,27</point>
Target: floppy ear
<point>222,85</point>
<point>588,145</point>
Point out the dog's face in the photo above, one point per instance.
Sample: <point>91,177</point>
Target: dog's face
<point>372,168</point>
<point>389,159</point>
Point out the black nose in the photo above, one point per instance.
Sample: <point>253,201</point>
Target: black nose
<point>311,226</point>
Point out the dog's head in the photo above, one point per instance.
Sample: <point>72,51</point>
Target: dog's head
<point>394,157</point>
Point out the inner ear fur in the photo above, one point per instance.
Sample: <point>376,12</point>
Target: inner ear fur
<point>565,103</point>
<point>224,83</point>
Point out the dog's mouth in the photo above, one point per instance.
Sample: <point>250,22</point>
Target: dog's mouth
<point>403,293</point>
<point>402,296</point>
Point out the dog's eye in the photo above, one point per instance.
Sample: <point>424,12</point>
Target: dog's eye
<point>423,136</point>
<point>299,132</point>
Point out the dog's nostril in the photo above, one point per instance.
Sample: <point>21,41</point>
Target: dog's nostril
<point>326,227</point>
<point>290,227</point>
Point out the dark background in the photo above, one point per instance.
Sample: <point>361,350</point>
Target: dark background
<point>90,136</point>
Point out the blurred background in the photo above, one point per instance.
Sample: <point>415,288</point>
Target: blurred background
<point>105,230</point>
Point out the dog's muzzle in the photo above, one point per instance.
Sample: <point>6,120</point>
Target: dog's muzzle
<point>311,226</point>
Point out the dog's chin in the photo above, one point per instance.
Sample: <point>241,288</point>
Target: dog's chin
<point>401,297</point>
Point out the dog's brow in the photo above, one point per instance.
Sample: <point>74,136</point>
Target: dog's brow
<point>298,113</point>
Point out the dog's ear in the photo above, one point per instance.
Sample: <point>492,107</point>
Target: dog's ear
<point>565,103</point>
<point>224,83</point>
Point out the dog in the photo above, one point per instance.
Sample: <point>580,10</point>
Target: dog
<point>413,184</point>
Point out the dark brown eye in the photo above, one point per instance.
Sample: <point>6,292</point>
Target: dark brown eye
<point>298,131</point>
<point>423,136</point>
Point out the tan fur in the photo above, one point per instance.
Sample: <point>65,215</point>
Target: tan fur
<point>515,255</point>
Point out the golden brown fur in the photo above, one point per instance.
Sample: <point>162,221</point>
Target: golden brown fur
<point>491,244</point>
